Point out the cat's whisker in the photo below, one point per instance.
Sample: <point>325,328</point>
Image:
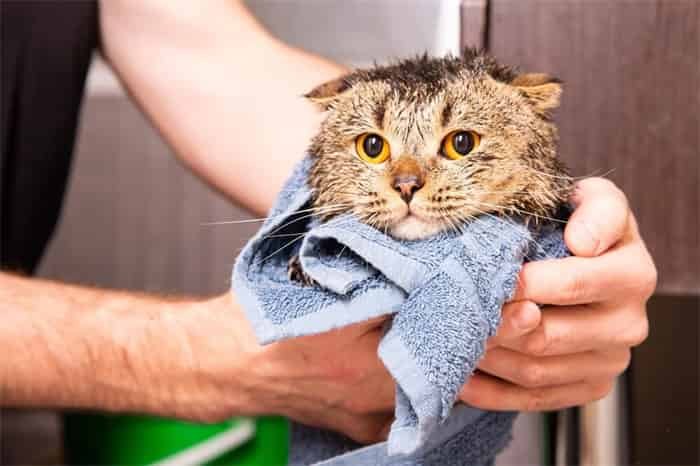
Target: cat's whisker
<point>481,212</point>
<point>284,235</point>
<point>448,218</point>
<point>552,175</point>
<point>485,192</point>
<point>279,250</point>
<point>318,210</point>
<point>305,216</point>
<point>374,219</point>
<point>519,211</point>
<point>235,222</point>
<point>451,219</point>
<point>605,174</point>
<point>368,219</point>
<point>261,219</point>
<point>386,228</point>
<point>513,228</point>
<point>574,178</point>
<point>298,236</point>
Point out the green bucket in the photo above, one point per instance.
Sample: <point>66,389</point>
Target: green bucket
<point>103,439</point>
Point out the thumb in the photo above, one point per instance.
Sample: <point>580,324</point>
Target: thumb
<point>599,220</point>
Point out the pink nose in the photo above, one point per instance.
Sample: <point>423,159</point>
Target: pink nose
<point>406,185</point>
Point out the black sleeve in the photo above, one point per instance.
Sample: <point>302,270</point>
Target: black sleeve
<point>46,52</point>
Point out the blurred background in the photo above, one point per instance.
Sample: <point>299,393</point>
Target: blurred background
<point>134,218</point>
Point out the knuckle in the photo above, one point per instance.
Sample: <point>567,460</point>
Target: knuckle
<point>601,389</point>
<point>346,373</point>
<point>649,279</point>
<point>474,397</point>
<point>639,332</point>
<point>619,361</point>
<point>534,375</point>
<point>360,435</point>
<point>366,436</point>
<point>359,404</point>
<point>635,333</point>
<point>575,286</point>
<point>625,361</point>
<point>536,401</point>
<point>539,342</point>
<point>535,344</point>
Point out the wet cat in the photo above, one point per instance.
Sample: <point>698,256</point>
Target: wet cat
<point>423,145</point>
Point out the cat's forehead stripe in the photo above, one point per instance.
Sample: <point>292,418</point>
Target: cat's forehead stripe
<point>380,111</point>
<point>446,113</point>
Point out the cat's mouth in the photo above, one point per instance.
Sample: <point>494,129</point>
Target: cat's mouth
<point>413,226</point>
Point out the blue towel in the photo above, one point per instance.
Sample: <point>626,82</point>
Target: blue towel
<point>445,294</point>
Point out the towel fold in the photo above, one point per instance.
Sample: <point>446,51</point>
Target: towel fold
<point>445,294</point>
<point>468,437</point>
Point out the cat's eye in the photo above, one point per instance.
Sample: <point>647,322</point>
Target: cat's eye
<point>372,148</point>
<point>457,144</point>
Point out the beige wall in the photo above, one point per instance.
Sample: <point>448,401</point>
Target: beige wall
<point>134,217</point>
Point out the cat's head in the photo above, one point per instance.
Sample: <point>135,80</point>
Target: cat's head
<point>422,145</point>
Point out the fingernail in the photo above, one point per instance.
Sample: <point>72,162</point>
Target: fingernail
<point>585,237</point>
<point>528,317</point>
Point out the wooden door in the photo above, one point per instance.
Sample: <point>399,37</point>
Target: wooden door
<point>630,110</point>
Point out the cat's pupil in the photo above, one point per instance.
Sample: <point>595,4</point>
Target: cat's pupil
<point>373,145</point>
<point>463,142</point>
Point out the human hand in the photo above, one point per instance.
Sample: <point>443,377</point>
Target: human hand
<point>334,380</point>
<point>570,351</point>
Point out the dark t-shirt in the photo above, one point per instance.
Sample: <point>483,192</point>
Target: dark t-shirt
<point>46,52</point>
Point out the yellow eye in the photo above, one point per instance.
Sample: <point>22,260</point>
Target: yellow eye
<point>457,144</point>
<point>372,148</point>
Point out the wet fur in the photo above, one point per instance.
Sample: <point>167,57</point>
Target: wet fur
<point>413,104</point>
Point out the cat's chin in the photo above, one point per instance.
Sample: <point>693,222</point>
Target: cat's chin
<point>412,227</point>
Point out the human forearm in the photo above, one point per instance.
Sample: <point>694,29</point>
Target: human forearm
<point>75,347</point>
<point>71,346</point>
<point>226,95</point>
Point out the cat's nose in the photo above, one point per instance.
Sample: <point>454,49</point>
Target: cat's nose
<point>406,185</point>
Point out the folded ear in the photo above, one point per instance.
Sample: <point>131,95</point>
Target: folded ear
<point>543,91</point>
<point>324,94</point>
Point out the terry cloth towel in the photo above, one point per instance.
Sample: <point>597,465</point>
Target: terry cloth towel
<point>445,294</point>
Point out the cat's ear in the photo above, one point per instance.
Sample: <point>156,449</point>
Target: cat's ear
<point>542,90</point>
<point>324,94</point>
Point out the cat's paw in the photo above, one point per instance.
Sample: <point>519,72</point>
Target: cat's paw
<point>297,274</point>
